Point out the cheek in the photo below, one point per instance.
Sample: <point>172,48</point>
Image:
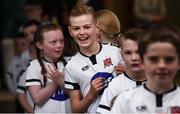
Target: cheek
<point>126,60</point>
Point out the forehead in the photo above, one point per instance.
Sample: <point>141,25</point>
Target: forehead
<point>53,34</point>
<point>161,48</point>
<point>128,43</point>
<point>30,28</point>
<point>82,20</point>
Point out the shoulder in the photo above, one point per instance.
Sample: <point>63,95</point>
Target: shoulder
<point>34,62</point>
<point>74,59</point>
<point>112,48</point>
<point>109,44</point>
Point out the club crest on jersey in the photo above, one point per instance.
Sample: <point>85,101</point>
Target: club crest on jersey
<point>141,108</point>
<point>107,62</point>
<point>175,110</point>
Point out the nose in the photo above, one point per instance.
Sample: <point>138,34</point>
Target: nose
<point>81,31</point>
<point>135,56</point>
<point>161,64</point>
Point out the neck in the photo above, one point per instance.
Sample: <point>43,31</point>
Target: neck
<point>50,60</point>
<point>93,49</point>
<point>138,76</point>
<point>159,88</point>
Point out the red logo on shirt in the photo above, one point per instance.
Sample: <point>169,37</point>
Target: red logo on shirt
<point>107,62</point>
<point>175,110</point>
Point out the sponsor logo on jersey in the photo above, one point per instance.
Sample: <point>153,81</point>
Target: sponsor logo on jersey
<point>175,110</point>
<point>85,68</point>
<point>141,108</point>
<point>107,62</point>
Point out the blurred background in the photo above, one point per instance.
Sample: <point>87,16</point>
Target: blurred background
<point>15,12</point>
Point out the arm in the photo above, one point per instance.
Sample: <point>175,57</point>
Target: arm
<point>40,95</point>
<point>81,104</point>
<point>24,102</point>
<point>9,78</point>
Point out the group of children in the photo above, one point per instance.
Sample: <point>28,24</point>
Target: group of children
<point>136,77</point>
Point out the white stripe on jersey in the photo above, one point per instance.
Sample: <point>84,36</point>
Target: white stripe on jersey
<point>141,100</point>
<point>116,86</point>
<point>80,70</point>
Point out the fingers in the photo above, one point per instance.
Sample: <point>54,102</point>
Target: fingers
<point>51,71</point>
<point>119,69</point>
<point>98,83</point>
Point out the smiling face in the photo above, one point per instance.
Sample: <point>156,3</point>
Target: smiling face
<point>131,56</point>
<point>160,63</point>
<point>84,30</point>
<point>52,45</point>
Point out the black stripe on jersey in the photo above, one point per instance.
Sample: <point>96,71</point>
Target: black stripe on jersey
<point>104,107</point>
<point>93,59</point>
<point>159,98</point>
<point>139,83</point>
<point>22,88</point>
<point>75,85</point>
<point>10,74</point>
<point>34,80</point>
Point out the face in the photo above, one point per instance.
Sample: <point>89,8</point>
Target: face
<point>21,45</point>
<point>33,12</point>
<point>53,45</point>
<point>84,30</point>
<point>29,32</point>
<point>160,63</point>
<point>131,56</point>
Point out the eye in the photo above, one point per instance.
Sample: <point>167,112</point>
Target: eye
<point>87,27</point>
<point>169,59</point>
<point>53,42</point>
<point>61,41</point>
<point>153,59</point>
<point>127,52</point>
<point>75,28</point>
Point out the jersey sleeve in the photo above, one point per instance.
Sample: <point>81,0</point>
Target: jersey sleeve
<point>33,74</point>
<point>70,78</point>
<point>21,88</point>
<point>120,104</point>
<point>108,96</point>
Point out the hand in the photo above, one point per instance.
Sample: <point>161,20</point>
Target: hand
<point>53,74</point>
<point>96,86</point>
<point>119,69</point>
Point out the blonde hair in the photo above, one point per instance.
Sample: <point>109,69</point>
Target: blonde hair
<point>108,22</point>
<point>81,9</point>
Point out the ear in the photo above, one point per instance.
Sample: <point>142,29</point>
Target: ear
<point>39,45</point>
<point>97,28</point>
<point>69,28</point>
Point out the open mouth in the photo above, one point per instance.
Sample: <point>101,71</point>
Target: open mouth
<point>82,38</point>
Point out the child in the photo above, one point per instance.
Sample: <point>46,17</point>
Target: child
<point>109,26</point>
<point>160,53</point>
<point>22,92</point>
<point>16,68</point>
<point>45,93</point>
<point>92,66</point>
<point>133,75</point>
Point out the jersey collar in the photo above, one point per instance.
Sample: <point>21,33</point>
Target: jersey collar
<point>94,54</point>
